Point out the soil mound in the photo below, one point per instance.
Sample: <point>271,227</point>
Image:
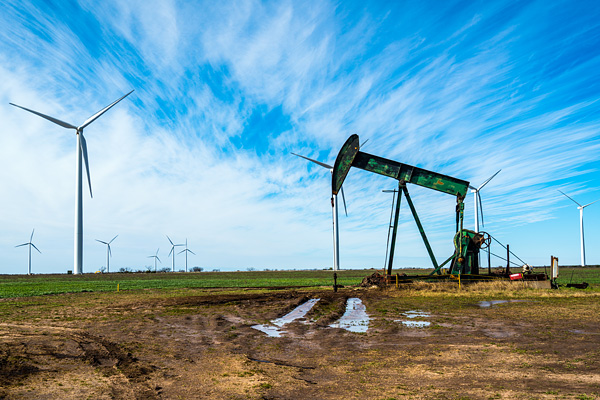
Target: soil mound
<point>375,279</point>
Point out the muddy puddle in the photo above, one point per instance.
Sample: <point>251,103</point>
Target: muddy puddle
<point>355,319</point>
<point>273,330</point>
<point>411,323</point>
<point>491,303</point>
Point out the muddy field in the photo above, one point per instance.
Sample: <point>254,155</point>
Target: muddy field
<point>201,344</point>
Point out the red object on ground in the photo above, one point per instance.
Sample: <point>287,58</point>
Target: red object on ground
<point>515,277</point>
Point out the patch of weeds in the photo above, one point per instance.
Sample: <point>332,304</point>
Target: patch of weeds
<point>584,397</point>
<point>245,374</point>
<point>552,392</point>
<point>265,386</point>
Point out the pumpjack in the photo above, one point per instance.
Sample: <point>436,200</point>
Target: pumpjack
<point>467,243</point>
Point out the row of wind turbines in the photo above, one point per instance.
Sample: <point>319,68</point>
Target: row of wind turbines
<point>186,250</point>
<point>82,158</point>
<point>478,209</point>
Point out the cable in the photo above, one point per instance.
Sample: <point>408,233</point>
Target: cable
<point>508,250</point>
<point>504,259</point>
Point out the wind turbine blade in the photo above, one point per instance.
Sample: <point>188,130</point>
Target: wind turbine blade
<point>36,248</point>
<point>182,251</point>
<point>192,252</point>
<point>489,179</point>
<point>170,241</point>
<point>49,118</point>
<point>158,259</point>
<point>363,143</point>
<point>109,251</point>
<point>85,160</point>
<point>589,204</point>
<point>111,240</point>
<point>315,161</point>
<point>171,251</point>
<point>157,251</point>
<point>99,113</point>
<point>344,201</point>
<point>31,238</point>
<point>480,208</point>
<point>569,197</point>
<point>101,241</point>
<point>472,188</point>
<point>24,244</point>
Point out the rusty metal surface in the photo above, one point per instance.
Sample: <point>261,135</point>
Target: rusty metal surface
<point>411,174</point>
<point>343,163</point>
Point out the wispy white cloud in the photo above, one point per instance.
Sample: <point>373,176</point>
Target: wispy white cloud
<point>464,92</point>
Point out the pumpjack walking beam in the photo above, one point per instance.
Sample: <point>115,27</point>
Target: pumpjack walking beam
<point>351,156</point>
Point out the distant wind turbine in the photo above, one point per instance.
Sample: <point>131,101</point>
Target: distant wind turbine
<point>477,197</point>
<point>155,258</point>
<point>186,251</point>
<point>336,230</point>
<point>108,252</point>
<point>580,207</point>
<point>81,153</point>
<point>30,244</point>
<point>172,251</point>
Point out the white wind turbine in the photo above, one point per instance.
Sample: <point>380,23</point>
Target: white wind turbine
<point>108,252</point>
<point>172,251</point>
<point>30,244</point>
<point>477,197</point>
<point>334,202</point>
<point>580,207</point>
<point>81,153</point>
<point>155,258</point>
<point>186,251</point>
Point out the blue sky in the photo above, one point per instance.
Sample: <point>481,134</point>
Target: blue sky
<point>225,91</point>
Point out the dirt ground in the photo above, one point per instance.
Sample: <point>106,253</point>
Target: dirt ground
<point>201,345</point>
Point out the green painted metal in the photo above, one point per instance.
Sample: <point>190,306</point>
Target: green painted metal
<point>421,230</point>
<point>395,229</point>
<point>343,162</point>
<point>467,244</point>
<point>411,174</point>
<point>351,156</point>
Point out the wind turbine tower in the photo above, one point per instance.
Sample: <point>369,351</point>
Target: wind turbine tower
<point>155,258</point>
<point>477,197</point>
<point>30,244</point>
<point>173,245</point>
<point>580,207</point>
<point>186,251</point>
<point>108,252</point>
<point>334,203</point>
<point>81,154</point>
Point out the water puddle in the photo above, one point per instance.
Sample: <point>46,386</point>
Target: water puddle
<point>297,313</point>
<point>415,314</point>
<point>416,324</point>
<point>491,303</point>
<point>355,319</point>
<point>271,331</point>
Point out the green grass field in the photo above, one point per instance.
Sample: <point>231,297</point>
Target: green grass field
<point>34,285</point>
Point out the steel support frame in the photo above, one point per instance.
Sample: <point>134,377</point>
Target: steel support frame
<point>403,189</point>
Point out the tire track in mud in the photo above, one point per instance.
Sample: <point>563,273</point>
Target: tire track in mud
<point>19,359</point>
